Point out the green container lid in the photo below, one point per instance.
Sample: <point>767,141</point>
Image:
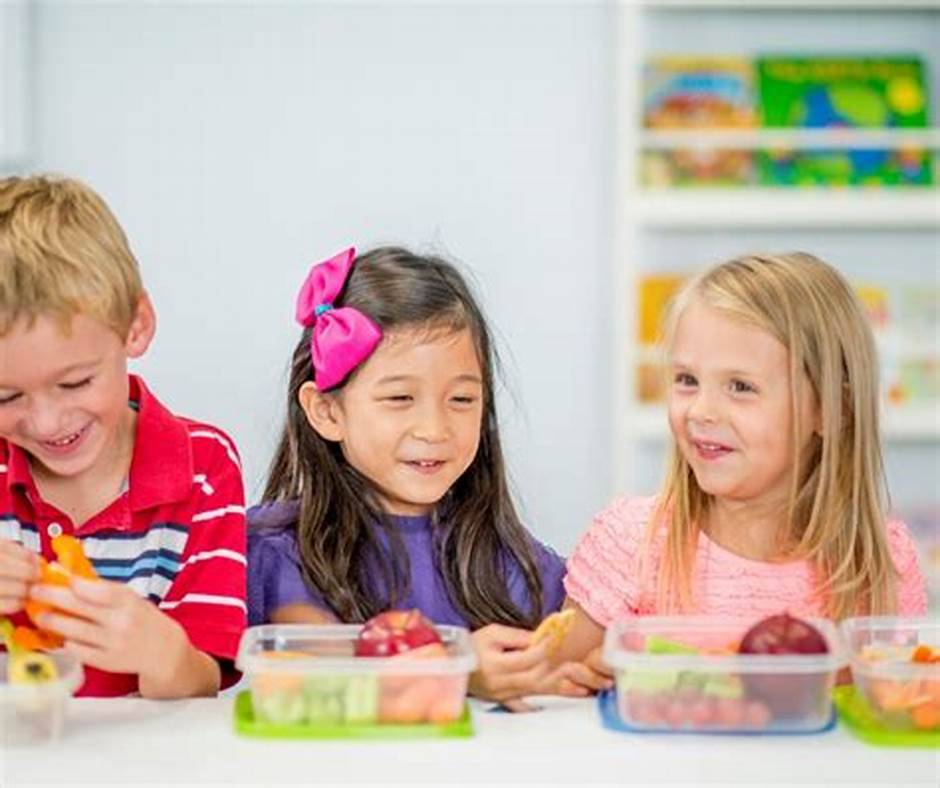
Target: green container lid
<point>248,725</point>
<point>857,716</point>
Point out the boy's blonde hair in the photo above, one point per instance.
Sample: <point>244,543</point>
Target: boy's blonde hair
<point>62,253</point>
<point>837,501</point>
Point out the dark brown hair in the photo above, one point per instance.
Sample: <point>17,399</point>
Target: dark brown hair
<point>476,528</point>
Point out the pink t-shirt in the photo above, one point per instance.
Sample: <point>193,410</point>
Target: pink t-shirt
<point>604,573</point>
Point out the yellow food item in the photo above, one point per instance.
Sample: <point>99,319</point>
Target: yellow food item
<point>23,665</point>
<point>31,667</point>
<point>554,628</point>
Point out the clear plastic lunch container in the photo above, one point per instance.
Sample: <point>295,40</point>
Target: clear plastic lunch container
<point>683,673</point>
<point>902,694</point>
<point>307,674</point>
<point>35,713</point>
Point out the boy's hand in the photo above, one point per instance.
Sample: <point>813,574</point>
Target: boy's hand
<point>508,669</point>
<point>111,627</point>
<point>18,568</point>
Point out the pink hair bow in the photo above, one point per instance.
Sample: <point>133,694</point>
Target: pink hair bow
<point>343,337</point>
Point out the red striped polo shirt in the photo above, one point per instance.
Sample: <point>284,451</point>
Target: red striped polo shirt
<point>176,535</point>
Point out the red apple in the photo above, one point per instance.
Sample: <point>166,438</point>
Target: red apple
<point>398,632</point>
<point>783,634</point>
<point>786,694</point>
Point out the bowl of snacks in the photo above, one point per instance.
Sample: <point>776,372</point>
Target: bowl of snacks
<point>706,675</point>
<point>896,668</point>
<point>35,688</point>
<point>396,673</point>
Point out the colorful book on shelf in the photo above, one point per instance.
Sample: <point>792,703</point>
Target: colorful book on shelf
<point>912,381</point>
<point>697,167</point>
<point>876,301</point>
<point>905,321</point>
<point>654,294</point>
<point>698,92</point>
<point>843,92</point>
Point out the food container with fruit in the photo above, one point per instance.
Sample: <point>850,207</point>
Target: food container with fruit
<point>35,690</point>
<point>396,675</point>
<point>707,675</point>
<point>896,669</point>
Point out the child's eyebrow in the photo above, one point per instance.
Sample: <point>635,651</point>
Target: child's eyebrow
<point>465,378</point>
<point>60,373</point>
<point>76,366</point>
<point>724,372</point>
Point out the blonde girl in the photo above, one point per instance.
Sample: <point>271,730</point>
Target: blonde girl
<point>774,498</point>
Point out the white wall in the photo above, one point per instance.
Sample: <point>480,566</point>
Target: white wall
<point>238,143</point>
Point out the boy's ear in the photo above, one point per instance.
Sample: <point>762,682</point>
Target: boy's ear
<point>322,411</point>
<point>143,327</point>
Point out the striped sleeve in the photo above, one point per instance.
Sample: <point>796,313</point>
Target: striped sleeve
<point>208,595</point>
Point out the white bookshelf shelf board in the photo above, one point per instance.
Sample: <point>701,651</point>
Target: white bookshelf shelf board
<point>761,139</point>
<point>796,5</point>
<point>787,207</point>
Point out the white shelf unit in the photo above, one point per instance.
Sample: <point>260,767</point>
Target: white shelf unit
<point>644,216</point>
<point>749,139</point>
<point>792,208</point>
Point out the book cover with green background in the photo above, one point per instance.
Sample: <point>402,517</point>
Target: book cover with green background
<point>847,92</point>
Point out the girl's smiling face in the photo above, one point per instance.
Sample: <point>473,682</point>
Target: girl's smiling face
<point>409,418</point>
<point>730,406</point>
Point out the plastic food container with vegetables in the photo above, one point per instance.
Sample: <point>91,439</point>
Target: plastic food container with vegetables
<point>896,669</point>
<point>706,675</point>
<point>396,675</point>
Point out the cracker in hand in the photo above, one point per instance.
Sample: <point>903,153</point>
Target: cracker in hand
<point>554,628</point>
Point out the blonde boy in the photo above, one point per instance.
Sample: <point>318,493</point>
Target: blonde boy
<point>86,449</point>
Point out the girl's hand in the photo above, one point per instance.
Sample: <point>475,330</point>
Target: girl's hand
<point>579,679</point>
<point>111,627</point>
<point>584,638</point>
<point>508,668</point>
<point>18,568</point>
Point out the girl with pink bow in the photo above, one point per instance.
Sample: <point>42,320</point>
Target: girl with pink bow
<point>388,489</point>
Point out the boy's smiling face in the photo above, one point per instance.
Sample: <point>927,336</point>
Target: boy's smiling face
<point>64,389</point>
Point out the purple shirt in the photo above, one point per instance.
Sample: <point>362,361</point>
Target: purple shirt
<point>275,579</point>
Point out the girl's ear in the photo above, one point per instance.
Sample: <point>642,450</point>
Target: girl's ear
<point>322,411</point>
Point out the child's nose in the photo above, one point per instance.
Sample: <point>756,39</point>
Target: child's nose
<point>44,420</point>
<point>704,407</point>
<point>431,424</point>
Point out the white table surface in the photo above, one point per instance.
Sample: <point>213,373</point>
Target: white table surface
<point>132,741</point>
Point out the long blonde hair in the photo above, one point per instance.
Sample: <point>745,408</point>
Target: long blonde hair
<point>837,501</point>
